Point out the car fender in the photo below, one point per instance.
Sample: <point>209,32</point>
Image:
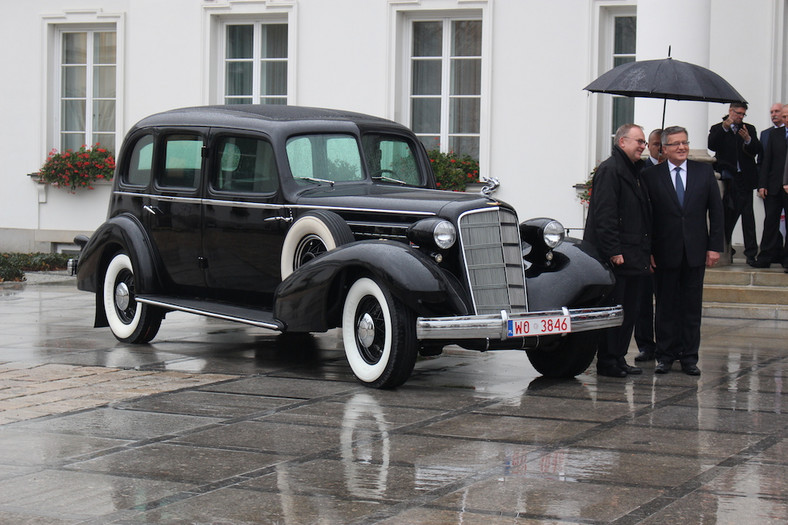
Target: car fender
<point>575,278</point>
<point>120,233</point>
<point>311,298</point>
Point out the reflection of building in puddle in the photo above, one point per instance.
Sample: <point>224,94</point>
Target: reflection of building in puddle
<point>365,447</point>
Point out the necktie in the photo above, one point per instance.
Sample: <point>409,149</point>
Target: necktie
<point>679,186</point>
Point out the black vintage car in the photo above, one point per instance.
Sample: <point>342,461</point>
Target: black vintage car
<point>302,219</point>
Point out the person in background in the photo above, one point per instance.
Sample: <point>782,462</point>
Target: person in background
<point>618,224</point>
<point>687,237</point>
<point>644,325</point>
<point>736,145</point>
<point>774,249</point>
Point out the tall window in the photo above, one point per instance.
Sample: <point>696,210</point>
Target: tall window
<point>445,90</point>
<point>88,97</point>
<point>255,64</point>
<point>623,52</point>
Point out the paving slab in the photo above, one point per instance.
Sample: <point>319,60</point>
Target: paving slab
<point>214,422</point>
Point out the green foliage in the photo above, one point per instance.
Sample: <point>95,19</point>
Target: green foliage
<point>453,172</point>
<point>78,169</point>
<point>14,265</point>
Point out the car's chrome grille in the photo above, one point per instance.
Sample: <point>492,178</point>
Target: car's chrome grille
<point>493,260</point>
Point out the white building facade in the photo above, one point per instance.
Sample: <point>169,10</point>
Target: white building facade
<point>501,80</point>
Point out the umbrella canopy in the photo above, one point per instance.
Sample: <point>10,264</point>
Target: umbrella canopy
<point>665,78</point>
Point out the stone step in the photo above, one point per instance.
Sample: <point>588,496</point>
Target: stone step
<point>740,292</point>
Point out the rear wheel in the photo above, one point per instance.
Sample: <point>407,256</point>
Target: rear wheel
<point>568,357</point>
<point>130,321</point>
<point>379,334</point>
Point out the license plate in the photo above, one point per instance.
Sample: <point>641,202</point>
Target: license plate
<point>558,324</point>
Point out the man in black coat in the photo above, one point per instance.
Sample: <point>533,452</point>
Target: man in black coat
<point>774,249</point>
<point>736,147</point>
<point>687,237</point>
<point>619,220</point>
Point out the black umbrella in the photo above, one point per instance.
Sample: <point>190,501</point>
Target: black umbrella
<point>666,79</point>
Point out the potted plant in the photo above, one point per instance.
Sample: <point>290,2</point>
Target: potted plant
<point>584,188</point>
<point>453,172</point>
<point>78,169</point>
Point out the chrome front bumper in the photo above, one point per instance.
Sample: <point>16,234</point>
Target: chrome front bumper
<point>496,326</point>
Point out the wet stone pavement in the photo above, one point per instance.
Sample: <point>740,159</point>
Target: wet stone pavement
<point>220,423</point>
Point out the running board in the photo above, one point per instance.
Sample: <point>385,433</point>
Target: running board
<point>238,314</point>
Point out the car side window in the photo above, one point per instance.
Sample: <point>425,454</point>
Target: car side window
<point>140,166</point>
<point>246,165</point>
<point>182,161</point>
<point>327,157</point>
<point>391,158</point>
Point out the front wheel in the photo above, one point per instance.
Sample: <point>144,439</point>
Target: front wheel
<point>130,321</point>
<point>568,357</point>
<point>379,334</point>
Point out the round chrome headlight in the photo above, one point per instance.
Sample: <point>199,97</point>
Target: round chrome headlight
<point>444,235</point>
<point>554,233</point>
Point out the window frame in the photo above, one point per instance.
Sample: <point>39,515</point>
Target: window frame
<point>53,25</point>
<point>401,16</point>
<point>601,115</point>
<point>217,16</point>
<point>257,59</point>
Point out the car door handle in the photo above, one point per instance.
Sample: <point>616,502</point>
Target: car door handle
<point>154,210</point>
<point>280,218</point>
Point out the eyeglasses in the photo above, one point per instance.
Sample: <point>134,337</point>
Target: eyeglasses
<point>679,143</point>
<point>640,142</point>
<point>741,113</point>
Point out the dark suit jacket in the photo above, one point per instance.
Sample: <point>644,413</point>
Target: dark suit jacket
<point>732,152</point>
<point>679,229</point>
<point>771,175</point>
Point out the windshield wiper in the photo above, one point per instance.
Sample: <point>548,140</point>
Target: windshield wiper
<point>389,179</point>
<point>318,181</point>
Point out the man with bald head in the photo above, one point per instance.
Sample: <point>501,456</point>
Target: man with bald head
<point>774,249</point>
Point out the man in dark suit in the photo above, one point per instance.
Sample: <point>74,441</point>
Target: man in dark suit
<point>619,221</point>
<point>736,146</point>
<point>644,325</point>
<point>775,113</point>
<point>774,249</point>
<point>687,237</point>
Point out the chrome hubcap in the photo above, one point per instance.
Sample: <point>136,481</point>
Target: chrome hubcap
<point>122,296</point>
<point>365,330</point>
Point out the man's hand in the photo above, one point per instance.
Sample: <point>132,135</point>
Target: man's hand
<point>743,133</point>
<point>785,188</point>
<point>762,192</point>
<point>712,258</point>
<point>617,260</point>
<point>726,124</point>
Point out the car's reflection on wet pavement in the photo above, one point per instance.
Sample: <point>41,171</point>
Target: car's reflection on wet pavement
<point>219,423</point>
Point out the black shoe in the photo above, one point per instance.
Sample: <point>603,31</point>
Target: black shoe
<point>751,261</point>
<point>758,263</point>
<point>611,371</point>
<point>644,356</point>
<point>733,252</point>
<point>690,370</point>
<point>631,370</point>
<point>662,368</point>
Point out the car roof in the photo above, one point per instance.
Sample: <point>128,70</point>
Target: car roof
<point>264,114</point>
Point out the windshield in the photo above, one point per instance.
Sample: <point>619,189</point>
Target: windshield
<point>324,158</point>
<point>330,158</point>
<point>391,159</point>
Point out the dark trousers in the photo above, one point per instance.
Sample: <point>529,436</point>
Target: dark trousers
<point>737,202</point>
<point>644,325</point>
<point>615,343</point>
<point>774,248</point>
<point>679,294</point>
